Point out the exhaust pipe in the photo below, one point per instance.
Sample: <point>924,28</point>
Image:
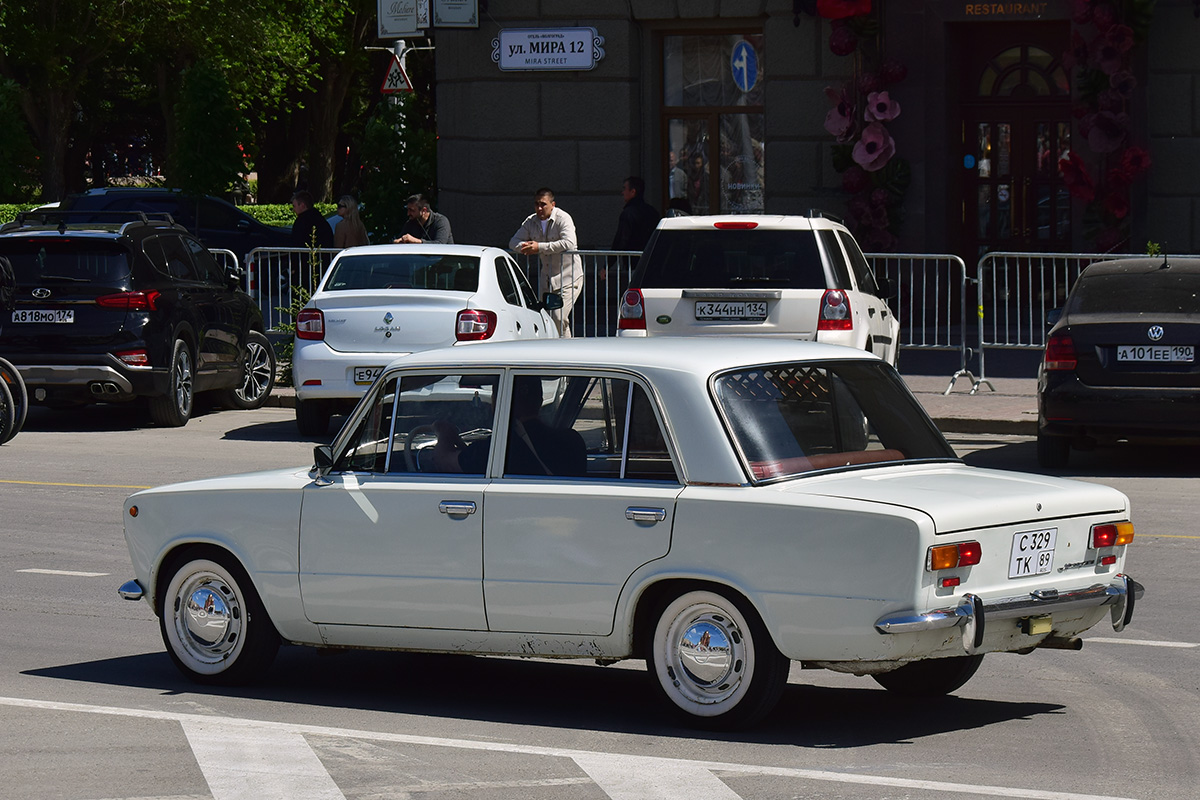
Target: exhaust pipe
<point>100,388</point>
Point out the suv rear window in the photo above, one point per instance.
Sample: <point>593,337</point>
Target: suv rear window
<point>66,260</point>
<point>732,259</point>
<point>391,271</point>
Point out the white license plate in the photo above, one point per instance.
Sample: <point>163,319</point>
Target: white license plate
<point>750,310</point>
<point>1156,352</point>
<point>366,374</point>
<point>1032,553</point>
<point>52,315</point>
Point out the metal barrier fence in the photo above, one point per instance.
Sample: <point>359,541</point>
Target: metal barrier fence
<point>606,275</point>
<point>226,258</point>
<point>274,274</point>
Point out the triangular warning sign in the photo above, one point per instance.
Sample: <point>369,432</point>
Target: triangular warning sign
<point>396,80</point>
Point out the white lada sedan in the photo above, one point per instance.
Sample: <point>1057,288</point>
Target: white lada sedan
<point>716,507</point>
<point>377,303</point>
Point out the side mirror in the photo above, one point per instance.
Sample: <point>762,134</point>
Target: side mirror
<point>552,301</point>
<point>322,460</point>
<point>885,287</point>
<point>243,225</point>
<point>234,275</point>
<point>1053,316</point>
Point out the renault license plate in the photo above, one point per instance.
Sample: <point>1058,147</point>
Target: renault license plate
<point>747,310</point>
<point>1032,553</point>
<point>366,375</point>
<point>46,315</point>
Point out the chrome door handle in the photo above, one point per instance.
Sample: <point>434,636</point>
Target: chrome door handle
<point>457,508</point>
<point>645,514</point>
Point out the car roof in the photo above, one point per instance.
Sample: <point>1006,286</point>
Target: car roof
<point>478,251</point>
<point>761,221</point>
<point>1143,266</point>
<point>696,355</point>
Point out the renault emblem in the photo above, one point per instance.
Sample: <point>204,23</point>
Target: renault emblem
<point>41,294</point>
<point>1155,333</point>
<point>387,319</point>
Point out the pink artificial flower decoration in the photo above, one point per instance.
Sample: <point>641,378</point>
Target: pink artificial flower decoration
<point>855,180</point>
<point>1107,131</point>
<point>881,108</point>
<point>840,9</point>
<point>840,118</point>
<point>1123,82</point>
<point>874,149</point>
<point>1075,176</point>
<point>1134,161</point>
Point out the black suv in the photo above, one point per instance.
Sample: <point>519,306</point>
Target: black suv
<point>131,306</point>
<point>215,222</point>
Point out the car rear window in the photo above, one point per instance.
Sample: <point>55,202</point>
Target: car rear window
<point>732,259</point>
<point>404,271</point>
<point>1161,290</point>
<point>789,419</point>
<point>66,260</point>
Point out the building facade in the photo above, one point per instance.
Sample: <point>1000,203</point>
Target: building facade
<point>943,126</point>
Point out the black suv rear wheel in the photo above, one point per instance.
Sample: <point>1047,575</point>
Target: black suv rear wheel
<point>174,409</point>
<point>259,377</point>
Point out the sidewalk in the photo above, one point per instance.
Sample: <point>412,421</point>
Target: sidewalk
<point>1010,409</point>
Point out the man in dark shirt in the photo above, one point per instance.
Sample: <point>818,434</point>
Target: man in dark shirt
<point>424,224</point>
<point>638,218</point>
<point>310,227</point>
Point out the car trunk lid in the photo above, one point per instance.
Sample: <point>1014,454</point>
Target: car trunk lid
<point>398,321</point>
<point>1136,349</point>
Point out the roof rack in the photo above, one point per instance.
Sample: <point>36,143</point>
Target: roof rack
<point>49,216</point>
<point>816,212</point>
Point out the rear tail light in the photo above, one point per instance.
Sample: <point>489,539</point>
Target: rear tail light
<point>1060,352</point>
<point>130,301</point>
<point>1112,534</point>
<point>835,312</point>
<point>133,358</point>
<point>310,324</point>
<point>633,311</point>
<point>735,226</point>
<point>952,556</point>
<point>474,325</point>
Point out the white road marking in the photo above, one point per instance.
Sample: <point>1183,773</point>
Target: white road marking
<point>1113,640</point>
<point>245,761</point>
<point>625,777</point>
<point>71,573</point>
<point>223,724</point>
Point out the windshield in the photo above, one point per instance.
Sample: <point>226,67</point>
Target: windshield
<point>788,419</point>
<point>404,271</point>
<point>732,259</point>
<point>65,260</point>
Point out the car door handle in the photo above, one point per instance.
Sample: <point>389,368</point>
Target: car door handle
<point>457,508</point>
<point>645,514</point>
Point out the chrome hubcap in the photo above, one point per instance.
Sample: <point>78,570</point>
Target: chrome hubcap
<point>208,617</point>
<point>708,657</point>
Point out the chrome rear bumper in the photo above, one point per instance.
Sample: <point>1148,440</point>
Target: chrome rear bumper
<point>971,610</point>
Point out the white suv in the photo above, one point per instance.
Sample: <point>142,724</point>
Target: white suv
<point>779,276</point>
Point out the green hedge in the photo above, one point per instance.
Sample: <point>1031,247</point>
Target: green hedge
<point>280,214</point>
<point>9,211</point>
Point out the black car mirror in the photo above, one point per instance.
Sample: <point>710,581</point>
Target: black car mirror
<point>552,301</point>
<point>234,275</point>
<point>1053,316</point>
<point>322,461</point>
<point>243,225</point>
<point>884,285</point>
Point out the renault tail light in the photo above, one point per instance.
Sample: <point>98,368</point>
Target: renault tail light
<point>310,324</point>
<point>475,325</point>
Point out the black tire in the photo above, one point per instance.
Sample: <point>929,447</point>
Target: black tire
<point>711,658</point>
<point>8,414</point>
<point>1053,452</point>
<point>258,379</point>
<point>174,409</point>
<point>931,678</point>
<point>212,621</point>
<point>312,417</point>
<point>20,397</point>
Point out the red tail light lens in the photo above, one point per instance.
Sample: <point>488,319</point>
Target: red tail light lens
<point>952,556</point>
<point>835,312</point>
<point>735,226</point>
<point>133,358</point>
<point>633,311</point>
<point>1112,534</point>
<point>1060,352</point>
<point>310,324</point>
<point>130,301</point>
<point>475,324</point>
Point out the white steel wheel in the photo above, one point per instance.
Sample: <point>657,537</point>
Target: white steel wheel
<point>213,624</point>
<point>715,663</point>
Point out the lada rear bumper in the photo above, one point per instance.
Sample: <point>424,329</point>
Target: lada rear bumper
<point>971,611</point>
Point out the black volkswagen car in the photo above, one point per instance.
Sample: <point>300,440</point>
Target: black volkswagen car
<point>1120,362</point>
<point>128,306</point>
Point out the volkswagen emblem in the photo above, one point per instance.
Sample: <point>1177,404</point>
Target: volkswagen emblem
<point>41,294</point>
<point>1155,333</point>
<point>387,319</point>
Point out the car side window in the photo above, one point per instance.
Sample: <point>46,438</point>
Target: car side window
<point>837,260</point>
<point>171,257</point>
<point>527,293</point>
<point>215,216</point>
<point>597,427</point>
<point>508,287</point>
<point>858,262</point>
<point>207,265</point>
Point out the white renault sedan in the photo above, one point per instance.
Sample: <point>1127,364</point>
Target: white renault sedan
<point>716,507</point>
<point>377,303</point>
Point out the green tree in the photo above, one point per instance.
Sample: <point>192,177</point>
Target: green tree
<point>206,158</point>
<point>399,153</point>
<point>18,171</point>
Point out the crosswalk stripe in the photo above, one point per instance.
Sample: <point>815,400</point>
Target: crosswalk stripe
<point>636,778</point>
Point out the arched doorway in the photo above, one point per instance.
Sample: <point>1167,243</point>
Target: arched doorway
<point>1014,124</point>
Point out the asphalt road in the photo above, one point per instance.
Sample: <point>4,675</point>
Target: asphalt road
<point>92,709</point>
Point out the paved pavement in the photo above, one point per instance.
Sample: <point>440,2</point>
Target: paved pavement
<point>1001,405</point>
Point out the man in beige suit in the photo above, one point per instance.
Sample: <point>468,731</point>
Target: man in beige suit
<point>549,232</point>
